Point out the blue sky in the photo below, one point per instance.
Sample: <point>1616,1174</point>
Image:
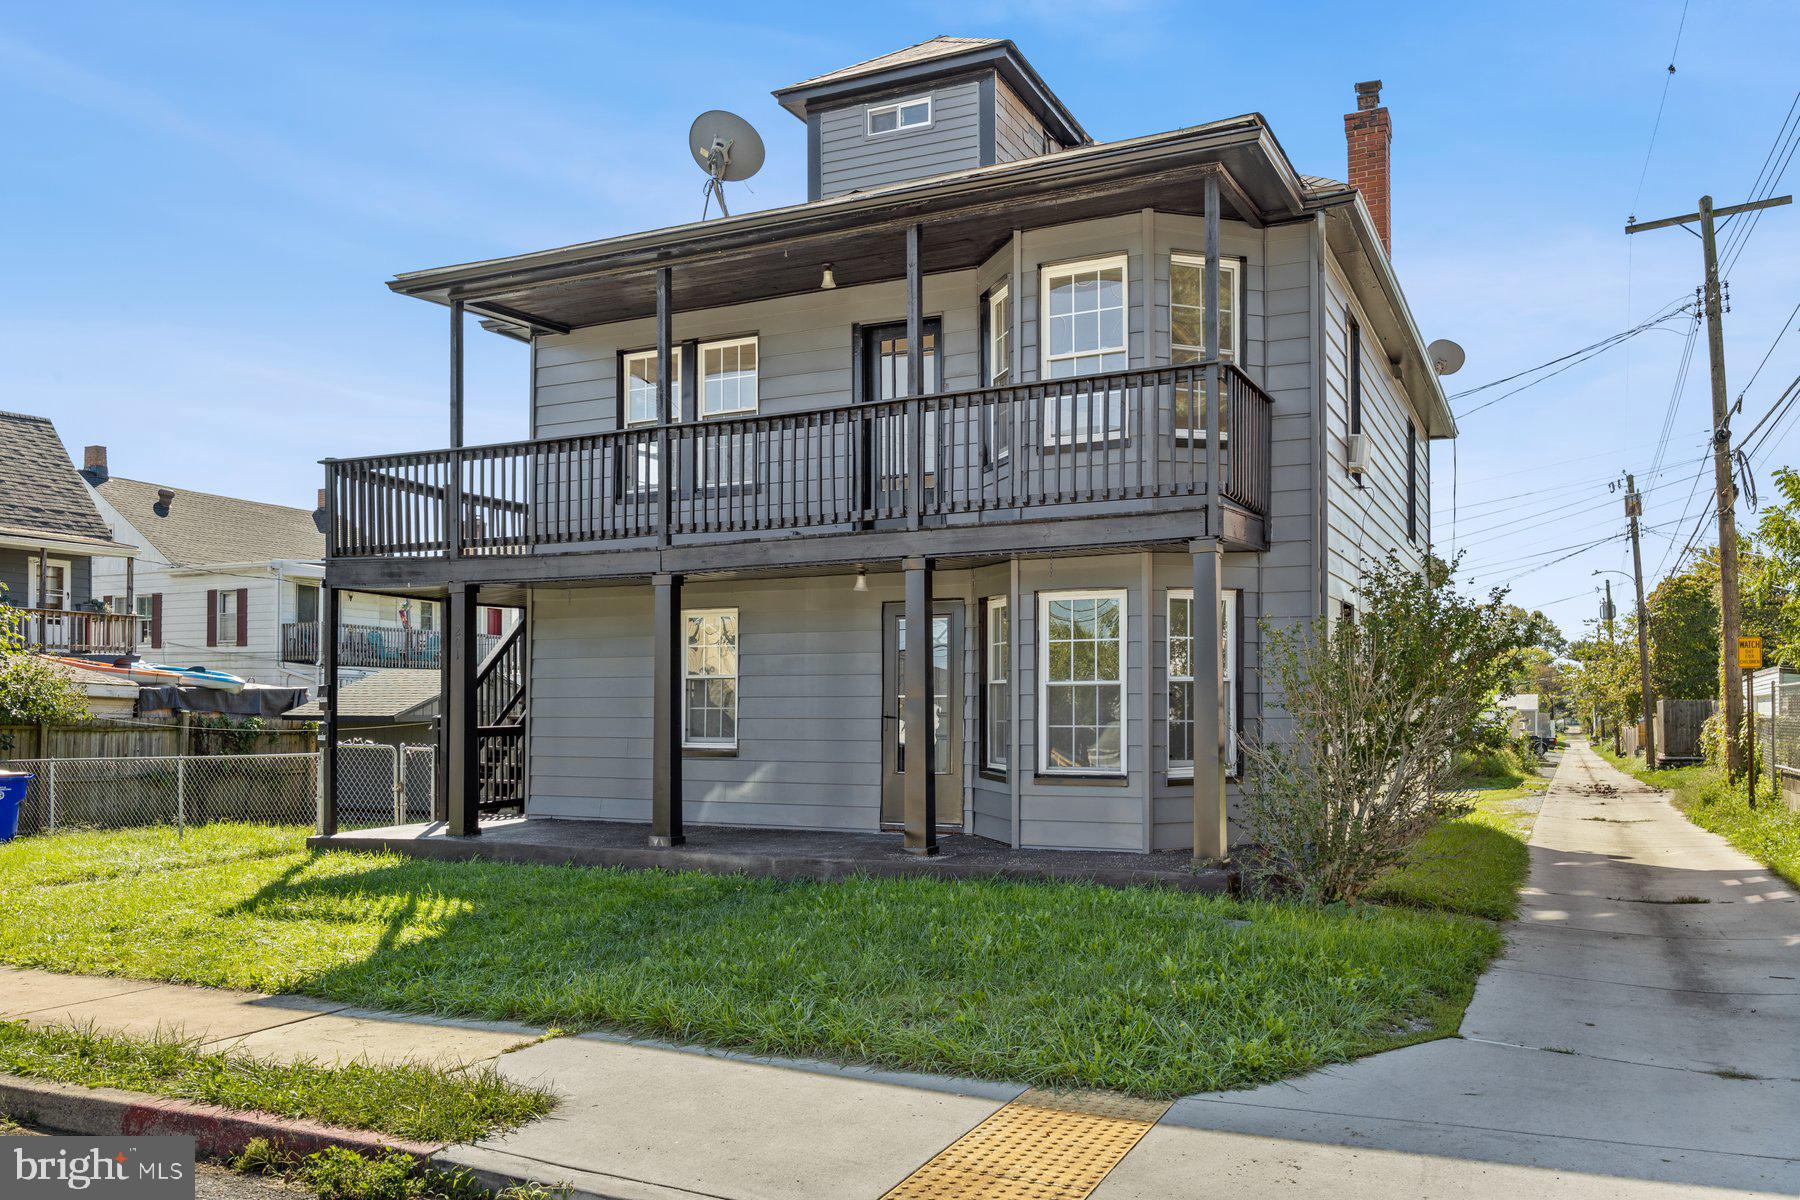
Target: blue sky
<point>205,201</point>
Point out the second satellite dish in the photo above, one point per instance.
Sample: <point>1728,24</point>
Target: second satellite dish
<point>728,149</point>
<point>1446,356</point>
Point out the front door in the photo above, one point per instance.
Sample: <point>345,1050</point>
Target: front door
<point>946,661</point>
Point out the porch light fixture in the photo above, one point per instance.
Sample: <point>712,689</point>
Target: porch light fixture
<point>862,573</point>
<point>827,281</point>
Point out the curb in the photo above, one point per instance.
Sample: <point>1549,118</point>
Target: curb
<point>217,1132</point>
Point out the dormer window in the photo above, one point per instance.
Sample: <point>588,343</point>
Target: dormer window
<point>914,113</point>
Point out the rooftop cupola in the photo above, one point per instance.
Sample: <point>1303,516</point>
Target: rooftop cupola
<point>947,104</point>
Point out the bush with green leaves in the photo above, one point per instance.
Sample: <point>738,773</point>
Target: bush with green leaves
<point>1380,706</point>
<point>32,690</point>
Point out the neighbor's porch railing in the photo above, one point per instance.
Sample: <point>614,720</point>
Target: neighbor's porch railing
<point>61,631</point>
<point>372,645</point>
<point>926,460</point>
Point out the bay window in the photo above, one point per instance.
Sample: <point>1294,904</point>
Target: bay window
<point>996,712</point>
<point>1187,326</point>
<point>639,409</point>
<point>1081,683</point>
<point>728,388</point>
<point>1180,663</point>
<point>1083,333</point>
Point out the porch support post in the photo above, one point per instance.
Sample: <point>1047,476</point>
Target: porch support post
<point>921,736</point>
<point>665,410</point>
<point>666,827</point>
<point>453,500</point>
<point>915,374</point>
<point>1209,703</point>
<point>327,823</point>
<point>1215,519</point>
<point>461,732</point>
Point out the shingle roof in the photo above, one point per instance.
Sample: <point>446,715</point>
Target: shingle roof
<point>383,695</point>
<point>925,51</point>
<point>1321,183</point>
<point>40,491</point>
<point>198,528</point>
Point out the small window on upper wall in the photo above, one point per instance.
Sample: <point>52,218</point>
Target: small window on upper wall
<point>913,113</point>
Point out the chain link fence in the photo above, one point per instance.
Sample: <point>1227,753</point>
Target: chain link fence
<point>1775,703</point>
<point>377,785</point>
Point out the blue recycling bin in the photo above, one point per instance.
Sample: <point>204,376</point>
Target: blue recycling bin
<point>12,798</point>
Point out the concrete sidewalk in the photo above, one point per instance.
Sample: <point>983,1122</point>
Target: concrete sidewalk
<point>1629,1043</point>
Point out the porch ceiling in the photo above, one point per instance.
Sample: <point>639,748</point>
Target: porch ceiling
<point>967,216</point>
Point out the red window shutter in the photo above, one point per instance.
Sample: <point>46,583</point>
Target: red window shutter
<point>243,607</point>
<point>493,622</point>
<point>212,616</point>
<point>156,620</point>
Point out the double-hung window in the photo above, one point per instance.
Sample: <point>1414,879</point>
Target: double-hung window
<point>911,113</point>
<point>999,368</point>
<point>1181,680</point>
<point>227,630</point>
<point>1187,327</point>
<point>1083,333</point>
<point>728,378</point>
<point>640,410</point>
<point>1081,683</point>
<point>996,713</point>
<point>710,696</point>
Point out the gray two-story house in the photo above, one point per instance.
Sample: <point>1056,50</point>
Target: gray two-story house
<point>963,443</point>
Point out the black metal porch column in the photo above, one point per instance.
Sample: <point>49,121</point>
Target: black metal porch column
<point>453,497</point>
<point>462,741</point>
<point>665,410</point>
<point>1210,729</point>
<point>915,376</point>
<point>666,828</point>
<point>921,735</point>
<point>327,823</point>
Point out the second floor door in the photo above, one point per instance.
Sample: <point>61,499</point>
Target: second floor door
<point>886,376</point>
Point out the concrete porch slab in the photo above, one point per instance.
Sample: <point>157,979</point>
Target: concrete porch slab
<point>775,853</point>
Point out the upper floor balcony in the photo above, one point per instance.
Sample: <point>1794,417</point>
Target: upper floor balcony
<point>65,631</point>
<point>1098,446</point>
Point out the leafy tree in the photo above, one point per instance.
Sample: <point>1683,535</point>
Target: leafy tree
<point>32,690</point>
<point>1380,706</point>
<point>1684,632</point>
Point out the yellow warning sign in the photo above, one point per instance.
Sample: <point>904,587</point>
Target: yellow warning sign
<point>1750,653</point>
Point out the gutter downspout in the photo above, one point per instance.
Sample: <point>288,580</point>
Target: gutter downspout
<point>1321,463</point>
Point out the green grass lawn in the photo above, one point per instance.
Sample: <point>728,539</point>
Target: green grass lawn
<point>1473,864</point>
<point>1149,991</point>
<point>1769,833</point>
<point>404,1101</point>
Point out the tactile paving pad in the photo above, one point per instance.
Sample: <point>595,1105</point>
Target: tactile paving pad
<point>1046,1145</point>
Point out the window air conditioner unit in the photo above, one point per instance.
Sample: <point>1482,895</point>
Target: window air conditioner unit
<point>1356,453</point>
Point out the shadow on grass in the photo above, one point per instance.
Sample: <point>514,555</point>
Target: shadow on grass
<point>1462,866</point>
<point>1150,991</point>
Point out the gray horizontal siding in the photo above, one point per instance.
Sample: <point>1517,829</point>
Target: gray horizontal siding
<point>1017,131</point>
<point>850,159</point>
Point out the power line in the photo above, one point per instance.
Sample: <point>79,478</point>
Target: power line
<point>1786,327</point>
<point>1660,104</point>
<point>1568,361</point>
<point>1775,161</point>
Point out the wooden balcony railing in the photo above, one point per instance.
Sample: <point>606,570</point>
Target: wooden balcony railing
<point>60,631</point>
<point>928,460</point>
<point>372,645</point>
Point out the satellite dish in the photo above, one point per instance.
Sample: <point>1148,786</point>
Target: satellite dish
<point>728,149</point>
<point>1446,356</point>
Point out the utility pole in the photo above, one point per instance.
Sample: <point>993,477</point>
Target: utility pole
<point>1612,643</point>
<point>1634,508</point>
<point>1726,489</point>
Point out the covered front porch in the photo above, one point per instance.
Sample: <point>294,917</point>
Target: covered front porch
<point>776,853</point>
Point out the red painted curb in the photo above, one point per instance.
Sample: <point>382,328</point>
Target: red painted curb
<point>218,1132</point>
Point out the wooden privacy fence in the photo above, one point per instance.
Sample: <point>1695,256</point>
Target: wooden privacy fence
<point>1678,724</point>
<point>121,739</point>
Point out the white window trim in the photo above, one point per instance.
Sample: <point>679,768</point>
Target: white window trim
<point>1185,771</point>
<point>1228,266</point>
<point>894,107</point>
<point>1112,402</point>
<point>755,381</point>
<point>1046,272</point>
<point>999,337</point>
<point>1043,673</point>
<point>736,677</point>
<point>32,599</point>
<point>995,606</point>
<point>226,635</point>
<point>633,356</point>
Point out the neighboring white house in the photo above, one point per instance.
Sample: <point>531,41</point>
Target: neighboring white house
<point>233,585</point>
<point>1525,716</point>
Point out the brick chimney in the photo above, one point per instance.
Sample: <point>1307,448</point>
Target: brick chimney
<point>1369,135</point>
<point>321,504</point>
<point>93,465</point>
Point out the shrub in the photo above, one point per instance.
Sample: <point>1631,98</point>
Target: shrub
<point>1381,705</point>
<point>32,690</point>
